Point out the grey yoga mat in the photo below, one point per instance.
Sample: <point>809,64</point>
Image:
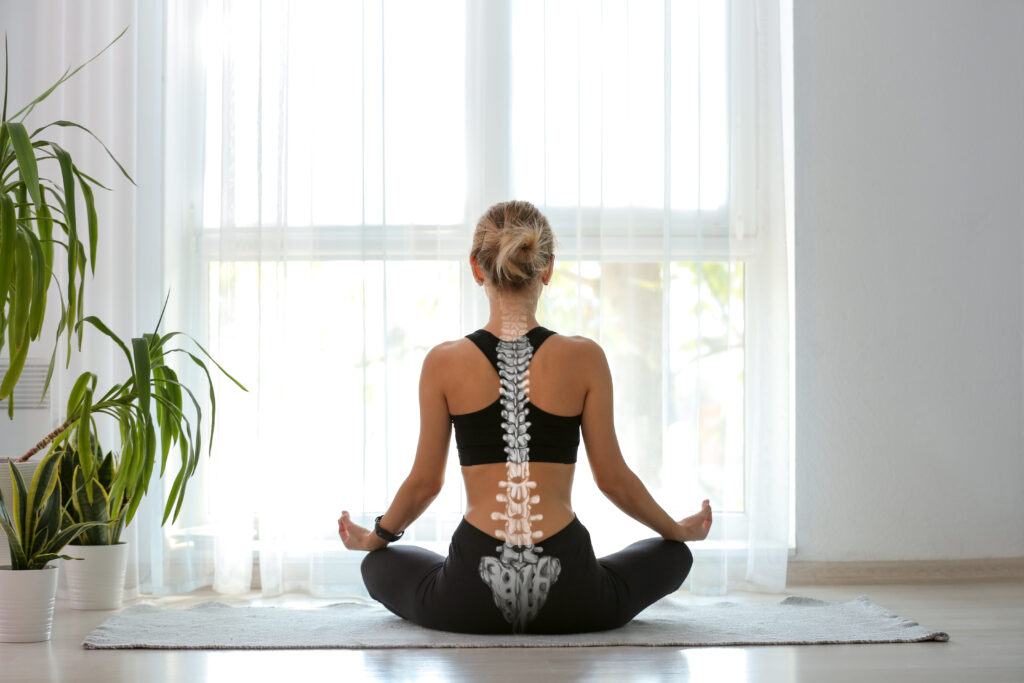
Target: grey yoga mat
<point>670,622</point>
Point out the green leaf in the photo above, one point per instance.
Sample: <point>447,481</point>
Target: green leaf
<point>26,159</point>
<point>82,384</point>
<point>84,443</point>
<point>67,172</point>
<point>41,489</point>
<point>142,373</point>
<point>66,473</point>
<point>105,475</point>
<point>92,503</point>
<point>21,297</point>
<point>156,330</point>
<point>69,534</point>
<point>213,399</point>
<point>4,515</point>
<point>45,227</point>
<point>72,124</point>
<point>101,326</point>
<point>17,362</point>
<point>7,64</point>
<point>60,328</point>
<point>170,335</point>
<point>67,74</point>
<point>8,240</point>
<point>18,558</point>
<point>19,499</point>
<point>90,212</point>
<point>39,280</point>
<point>48,524</point>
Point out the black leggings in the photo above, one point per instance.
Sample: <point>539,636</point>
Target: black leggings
<point>588,594</point>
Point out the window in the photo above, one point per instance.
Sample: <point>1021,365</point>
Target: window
<point>347,151</point>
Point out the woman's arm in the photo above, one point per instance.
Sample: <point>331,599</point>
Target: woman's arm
<point>611,473</point>
<point>424,482</point>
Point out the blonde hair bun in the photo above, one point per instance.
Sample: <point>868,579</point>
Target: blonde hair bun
<point>513,243</point>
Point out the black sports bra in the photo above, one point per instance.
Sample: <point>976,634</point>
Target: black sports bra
<point>512,429</point>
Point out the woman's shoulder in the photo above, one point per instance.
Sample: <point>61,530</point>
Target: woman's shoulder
<point>577,346</point>
<point>447,351</point>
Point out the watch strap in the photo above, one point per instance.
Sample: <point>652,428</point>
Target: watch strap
<point>384,533</point>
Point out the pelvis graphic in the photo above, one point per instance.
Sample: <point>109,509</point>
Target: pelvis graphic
<point>520,581</point>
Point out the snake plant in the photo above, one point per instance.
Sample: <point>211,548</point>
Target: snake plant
<point>38,214</point>
<point>34,526</point>
<point>91,500</point>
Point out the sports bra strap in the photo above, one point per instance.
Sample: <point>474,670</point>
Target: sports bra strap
<point>488,343</point>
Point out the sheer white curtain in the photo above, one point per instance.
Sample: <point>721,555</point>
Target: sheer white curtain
<point>325,165</point>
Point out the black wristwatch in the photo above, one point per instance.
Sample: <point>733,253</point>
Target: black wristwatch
<point>384,533</point>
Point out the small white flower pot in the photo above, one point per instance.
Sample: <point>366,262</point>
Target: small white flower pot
<point>26,604</point>
<point>97,580</point>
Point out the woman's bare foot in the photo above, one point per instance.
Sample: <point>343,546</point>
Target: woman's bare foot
<point>696,527</point>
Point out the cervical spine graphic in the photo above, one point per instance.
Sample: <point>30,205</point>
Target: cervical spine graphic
<point>519,578</point>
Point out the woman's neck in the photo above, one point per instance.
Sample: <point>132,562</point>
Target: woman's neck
<point>513,314</point>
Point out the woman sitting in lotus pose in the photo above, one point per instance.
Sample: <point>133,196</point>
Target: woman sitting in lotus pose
<point>518,396</point>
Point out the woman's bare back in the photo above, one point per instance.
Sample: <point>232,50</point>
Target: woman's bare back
<point>557,384</point>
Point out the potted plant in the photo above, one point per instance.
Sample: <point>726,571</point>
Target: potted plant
<point>35,536</point>
<point>107,490</point>
<point>97,582</point>
<point>39,216</point>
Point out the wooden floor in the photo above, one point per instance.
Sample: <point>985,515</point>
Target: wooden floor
<point>985,622</point>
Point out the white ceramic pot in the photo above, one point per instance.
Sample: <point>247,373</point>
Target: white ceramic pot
<point>97,580</point>
<point>27,471</point>
<point>26,604</point>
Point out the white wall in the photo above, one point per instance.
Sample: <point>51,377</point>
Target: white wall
<point>909,146</point>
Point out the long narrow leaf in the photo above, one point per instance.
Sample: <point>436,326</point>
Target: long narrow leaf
<point>18,558</point>
<point>213,399</point>
<point>78,391</point>
<point>60,328</point>
<point>142,373</point>
<point>90,212</point>
<point>67,74</point>
<point>8,239</point>
<point>102,327</point>
<point>40,277</point>
<point>44,481</point>
<point>84,443</point>
<point>4,514</point>
<point>156,329</point>
<point>70,533</point>
<point>7,64</point>
<point>44,221</point>
<point>170,335</point>
<point>26,159</point>
<point>72,124</point>
<point>19,499</point>
<point>17,363</point>
<point>21,302</point>
<point>48,523</point>
<point>67,173</point>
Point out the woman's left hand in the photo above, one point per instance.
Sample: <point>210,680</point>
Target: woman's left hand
<point>356,537</point>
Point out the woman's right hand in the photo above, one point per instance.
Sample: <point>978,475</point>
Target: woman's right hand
<point>356,537</point>
<point>696,527</point>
